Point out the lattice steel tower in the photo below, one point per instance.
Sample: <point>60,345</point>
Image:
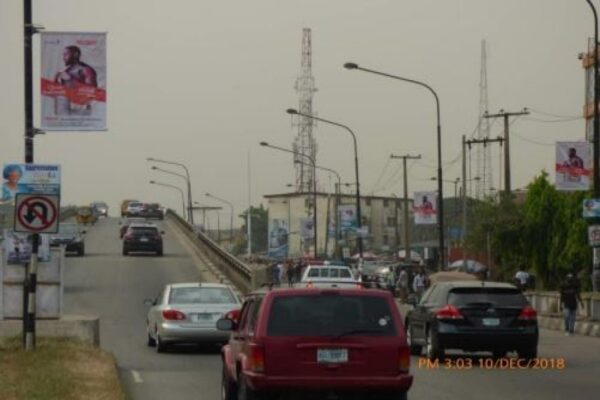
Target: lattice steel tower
<point>305,143</point>
<point>483,155</point>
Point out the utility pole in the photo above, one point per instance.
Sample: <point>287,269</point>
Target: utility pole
<point>407,255</point>
<point>506,115</point>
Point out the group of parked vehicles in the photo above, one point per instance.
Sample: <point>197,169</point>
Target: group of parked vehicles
<point>135,208</point>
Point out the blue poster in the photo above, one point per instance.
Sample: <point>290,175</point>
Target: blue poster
<point>30,179</point>
<point>278,239</point>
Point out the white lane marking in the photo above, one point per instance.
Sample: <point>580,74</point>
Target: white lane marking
<point>137,378</point>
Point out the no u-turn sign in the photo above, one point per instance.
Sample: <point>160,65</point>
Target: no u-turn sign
<point>37,213</point>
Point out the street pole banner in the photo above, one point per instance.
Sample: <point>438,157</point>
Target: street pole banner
<point>591,208</point>
<point>594,235</point>
<point>348,220</point>
<point>307,230</point>
<point>30,179</point>
<point>17,248</point>
<point>425,208</point>
<point>278,239</point>
<point>73,81</point>
<point>573,166</point>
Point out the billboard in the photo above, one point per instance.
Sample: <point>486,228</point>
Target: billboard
<point>573,166</point>
<point>425,208</point>
<point>17,248</point>
<point>591,208</point>
<point>307,230</point>
<point>278,238</point>
<point>73,81</point>
<point>30,179</point>
<point>348,220</point>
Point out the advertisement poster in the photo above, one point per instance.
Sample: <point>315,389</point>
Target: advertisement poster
<point>348,221</point>
<point>73,81</point>
<point>573,166</point>
<point>278,239</point>
<point>425,208</point>
<point>17,248</point>
<point>307,230</point>
<point>591,208</point>
<point>30,179</point>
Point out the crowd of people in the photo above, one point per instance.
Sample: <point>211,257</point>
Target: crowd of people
<point>287,272</point>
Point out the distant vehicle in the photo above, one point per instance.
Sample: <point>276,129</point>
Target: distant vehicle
<point>374,275</point>
<point>125,225</point>
<point>339,276</point>
<point>143,238</point>
<point>85,215</point>
<point>100,208</point>
<point>134,209</point>
<point>188,313</point>
<point>473,316</point>
<point>152,210</point>
<point>124,205</point>
<point>318,341</point>
<point>71,236</point>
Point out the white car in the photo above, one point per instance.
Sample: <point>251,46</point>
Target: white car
<point>339,276</point>
<point>134,208</point>
<point>188,313</point>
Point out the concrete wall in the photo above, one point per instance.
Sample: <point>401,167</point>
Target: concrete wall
<point>547,303</point>
<point>84,328</point>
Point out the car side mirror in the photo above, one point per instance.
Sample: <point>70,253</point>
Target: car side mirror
<point>225,324</point>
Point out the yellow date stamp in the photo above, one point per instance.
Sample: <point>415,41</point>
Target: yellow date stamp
<point>466,363</point>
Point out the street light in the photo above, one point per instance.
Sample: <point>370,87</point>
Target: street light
<point>314,164</point>
<point>231,218</point>
<point>173,187</point>
<point>455,182</point>
<point>358,213</point>
<point>189,184</point>
<point>351,65</point>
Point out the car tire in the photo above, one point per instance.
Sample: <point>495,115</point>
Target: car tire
<point>151,341</point>
<point>228,388</point>
<point>415,349</point>
<point>81,251</point>
<point>245,393</point>
<point>432,347</point>
<point>159,253</point>
<point>528,353</point>
<point>161,346</point>
<point>125,252</point>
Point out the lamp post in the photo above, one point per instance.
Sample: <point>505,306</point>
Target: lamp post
<point>358,213</point>
<point>455,182</point>
<point>314,164</point>
<point>189,184</point>
<point>442,246</point>
<point>231,218</point>
<point>173,187</point>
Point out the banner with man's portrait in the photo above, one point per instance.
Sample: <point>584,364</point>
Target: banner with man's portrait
<point>73,81</point>
<point>348,218</point>
<point>307,230</point>
<point>573,166</point>
<point>425,208</point>
<point>278,238</point>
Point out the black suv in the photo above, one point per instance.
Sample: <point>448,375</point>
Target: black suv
<point>143,238</point>
<point>473,316</point>
<point>70,236</point>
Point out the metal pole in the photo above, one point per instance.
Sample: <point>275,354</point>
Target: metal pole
<point>31,306</point>
<point>507,184</point>
<point>464,201</point>
<point>248,216</point>
<point>406,222</point>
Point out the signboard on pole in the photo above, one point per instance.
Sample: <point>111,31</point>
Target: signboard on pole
<point>278,239</point>
<point>17,248</point>
<point>594,235</point>
<point>573,165</point>
<point>73,81</point>
<point>425,208</point>
<point>37,213</point>
<point>307,230</point>
<point>591,208</point>
<point>30,179</point>
<point>348,220</point>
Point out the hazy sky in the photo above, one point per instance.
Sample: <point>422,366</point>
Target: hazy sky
<point>203,82</point>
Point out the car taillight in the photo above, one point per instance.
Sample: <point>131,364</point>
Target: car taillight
<point>404,359</point>
<point>173,315</point>
<point>528,313</point>
<point>256,361</point>
<point>448,312</point>
<point>129,236</point>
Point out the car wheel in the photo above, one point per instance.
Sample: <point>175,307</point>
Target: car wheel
<point>125,252</point>
<point>432,348</point>
<point>528,353</point>
<point>228,388</point>
<point>81,252</point>
<point>415,349</point>
<point>159,253</point>
<point>151,341</point>
<point>161,346</point>
<point>245,393</point>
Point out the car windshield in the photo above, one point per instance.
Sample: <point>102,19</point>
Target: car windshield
<point>497,297</point>
<point>135,204</point>
<point>330,315</point>
<point>201,295</point>
<point>68,228</point>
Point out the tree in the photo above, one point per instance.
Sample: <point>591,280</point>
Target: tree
<point>259,226</point>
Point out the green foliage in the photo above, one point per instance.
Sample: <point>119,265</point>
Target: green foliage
<point>259,226</point>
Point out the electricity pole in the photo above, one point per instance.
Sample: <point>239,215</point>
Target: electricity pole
<point>407,255</point>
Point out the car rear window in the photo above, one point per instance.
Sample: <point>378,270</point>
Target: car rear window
<point>144,231</point>
<point>330,315</point>
<point>498,297</point>
<point>200,295</point>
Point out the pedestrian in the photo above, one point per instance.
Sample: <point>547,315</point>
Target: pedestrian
<point>275,274</point>
<point>419,284</point>
<point>298,270</point>
<point>289,271</point>
<point>569,297</point>
<point>402,285</point>
<point>281,272</point>
<point>391,281</point>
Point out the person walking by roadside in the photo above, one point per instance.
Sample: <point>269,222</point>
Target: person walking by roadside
<point>402,285</point>
<point>391,281</point>
<point>569,297</point>
<point>275,274</point>
<point>419,284</point>
<point>289,271</point>
<point>298,270</point>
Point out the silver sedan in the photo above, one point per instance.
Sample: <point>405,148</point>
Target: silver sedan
<point>188,313</point>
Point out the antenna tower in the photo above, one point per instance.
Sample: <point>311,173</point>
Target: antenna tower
<point>305,143</point>
<point>483,155</point>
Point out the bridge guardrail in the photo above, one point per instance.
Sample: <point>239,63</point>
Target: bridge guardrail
<point>238,272</point>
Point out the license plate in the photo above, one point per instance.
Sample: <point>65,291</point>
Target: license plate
<point>332,355</point>
<point>490,321</point>
<point>201,317</point>
<point>144,239</point>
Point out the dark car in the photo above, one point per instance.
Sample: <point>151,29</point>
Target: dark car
<point>125,225</point>
<point>143,238</point>
<point>71,236</point>
<point>473,316</point>
<point>315,343</point>
<point>152,210</point>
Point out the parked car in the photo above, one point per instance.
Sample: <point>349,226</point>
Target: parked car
<point>328,276</point>
<point>71,236</point>
<point>124,206</point>
<point>143,238</point>
<point>473,316</point>
<point>316,341</point>
<point>125,225</point>
<point>152,210</point>
<point>374,275</point>
<point>188,313</point>
<point>100,208</point>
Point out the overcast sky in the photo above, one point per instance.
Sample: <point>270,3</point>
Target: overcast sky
<point>203,82</point>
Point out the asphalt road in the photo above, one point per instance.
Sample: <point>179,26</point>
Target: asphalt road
<point>107,284</point>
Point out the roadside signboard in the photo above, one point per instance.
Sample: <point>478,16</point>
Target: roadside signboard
<point>591,208</point>
<point>30,179</point>
<point>37,213</point>
<point>17,248</point>
<point>425,208</point>
<point>594,235</point>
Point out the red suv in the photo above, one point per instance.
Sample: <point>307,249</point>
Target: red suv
<point>316,342</point>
